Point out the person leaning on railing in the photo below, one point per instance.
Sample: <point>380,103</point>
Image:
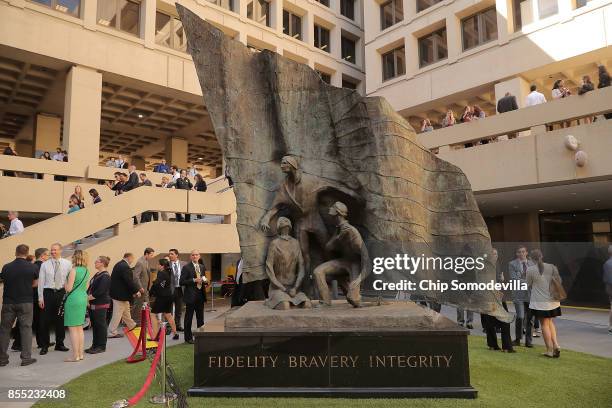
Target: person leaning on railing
<point>604,82</point>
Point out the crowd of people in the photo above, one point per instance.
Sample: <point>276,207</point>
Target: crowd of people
<point>508,103</point>
<point>45,293</point>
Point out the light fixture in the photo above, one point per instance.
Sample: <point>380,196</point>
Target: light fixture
<point>541,210</point>
<point>587,209</point>
<point>515,207</point>
<point>573,193</point>
<point>597,200</point>
<point>140,116</point>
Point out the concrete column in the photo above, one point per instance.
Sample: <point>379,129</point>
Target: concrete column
<point>336,79</point>
<point>505,20</point>
<point>335,39</point>
<point>46,133</point>
<point>139,162</point>
<point>82,110</point>
<point>411,45</point>
<point>308,28</point>
<point>453,38</point>
<point>147,29</point>
<point>409,7</point>
<point>242,7</point>
<point>522,227</point>
<point>242,37</point>
<point>23,148</point>
<point>276,17</point>
<point>517,86</point>
<point>565,9</point>
<point>176,152</point>
<point>90,13</point>
<point>371,20</point>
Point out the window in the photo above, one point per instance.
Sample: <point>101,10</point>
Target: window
<point>391,13</point>
<point>425,4</point>
<point>321,38</point>
<point>259,10</point>
<point>292,25</point>
<point>324,77</point>
<point>529,11</point>
<point>547,8</point>
<point>169,32</point>
<point>582,3</point>
<point>347,8</point>
<point>123,15</point>
<point>432,48</point>
<point>348,50</point>
<point>65,6</point>
<point>226,4</point>
<point>349,83</point>
<point>324,2</point>
<point>394,63</point>
<point>479,28</point>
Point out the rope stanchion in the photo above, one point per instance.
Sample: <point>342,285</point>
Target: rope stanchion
<point>145,387</point>
<point>141,345</point>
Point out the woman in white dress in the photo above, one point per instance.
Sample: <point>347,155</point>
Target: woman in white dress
<point>546,292</point>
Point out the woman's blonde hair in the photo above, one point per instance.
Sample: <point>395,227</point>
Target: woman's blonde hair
<point>536,256</point>
<point>80,258</point>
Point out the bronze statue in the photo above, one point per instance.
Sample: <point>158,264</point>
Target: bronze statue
<point>351,267</point>
<point>285,268</point>
<point>298,194</point>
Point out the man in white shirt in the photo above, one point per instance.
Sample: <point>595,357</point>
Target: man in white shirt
<point>110,162</point>
<point>16,224</point>
<point>534,97</point>
<point>191,171</point>
<point>177,291</point>
<point>119,162</point>
<point>58,156</point>
<point>193,281</point>
<point>51,279</point>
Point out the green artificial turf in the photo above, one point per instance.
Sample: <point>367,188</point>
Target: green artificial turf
<point>524,379</point>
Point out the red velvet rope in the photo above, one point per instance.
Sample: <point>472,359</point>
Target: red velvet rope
<point>145,387</point>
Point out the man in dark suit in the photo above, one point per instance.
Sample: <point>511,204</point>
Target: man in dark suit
<point>183,183</point>
<point>19,278</point>
<point>176,266</point>
<point>122,290</point>
<point>507,103</point>
<point>194,283</point>
<point>133,180</point>
<point>41,255</point>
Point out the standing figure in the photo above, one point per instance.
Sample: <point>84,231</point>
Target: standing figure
<point>194,282</point>
<point>350,269</point>
<point>285,268</point>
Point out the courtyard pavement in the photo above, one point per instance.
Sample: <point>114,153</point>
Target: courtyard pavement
<point>584,330</point>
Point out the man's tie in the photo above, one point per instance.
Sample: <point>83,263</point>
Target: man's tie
<point>197,271</point>
<point>176,274</point>
<point>57,277</point>
<point>524,269</point>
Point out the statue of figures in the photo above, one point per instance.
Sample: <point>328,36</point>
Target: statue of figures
<point>285,268</point>
<point>298,193</point>
<point>350,269</point>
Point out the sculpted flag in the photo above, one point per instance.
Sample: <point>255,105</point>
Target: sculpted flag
<point>341,147</point>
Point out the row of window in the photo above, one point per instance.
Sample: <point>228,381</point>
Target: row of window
<point>347,7</point>
<point>292,26</point>
<point>525,11</point>
<point>476,30</point>
<point>346,82</point>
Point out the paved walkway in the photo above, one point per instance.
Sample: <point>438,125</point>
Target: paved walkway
<point>579,329</point>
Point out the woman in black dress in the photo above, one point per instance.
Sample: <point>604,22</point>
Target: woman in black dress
<point>162,292</point>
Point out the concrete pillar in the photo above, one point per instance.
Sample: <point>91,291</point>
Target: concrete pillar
<point>336,79</point>
<point>139,162</point>
<point>242,37</point>
<point>90,14</point>
<point>276,17</point>
<point>147,30</point>
<point>453,38</point>
<point>242,7</point>
<point>522,227</point>
<point>371,20</point>
<point>82,110</point>
<point>505,20</point>
<point>308,28</point>
<point>176,152</point>
<point>517,86</point>
<point>47,134</point>
<point>24,148</point>
<point>335,40</point>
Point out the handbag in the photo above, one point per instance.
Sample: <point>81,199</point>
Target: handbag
<point>556,289</point>
<point>60,309</point>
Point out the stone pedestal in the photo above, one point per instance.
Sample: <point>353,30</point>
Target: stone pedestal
<point>393,350</point>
